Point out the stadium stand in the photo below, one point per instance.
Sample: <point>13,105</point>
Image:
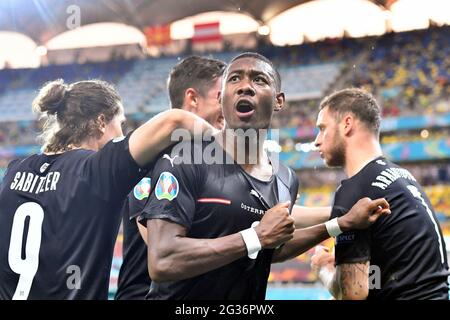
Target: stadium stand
<point>409,72</point>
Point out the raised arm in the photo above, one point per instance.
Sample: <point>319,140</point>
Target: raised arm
<point>364,213</point>
<point>147,141</point>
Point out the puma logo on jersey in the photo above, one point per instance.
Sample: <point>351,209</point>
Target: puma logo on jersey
<point>44,167</point>
<point>166,156</point>
<point>253,192</point>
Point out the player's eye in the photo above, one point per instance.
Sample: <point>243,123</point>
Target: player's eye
<point>233,78</point>
<point>260,79</point>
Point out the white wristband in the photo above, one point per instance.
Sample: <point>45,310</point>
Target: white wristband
<point>251,242</point>
<point>333,227</point>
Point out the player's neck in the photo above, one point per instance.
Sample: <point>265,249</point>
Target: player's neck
<point>356,160</point>
<point>246,150</point>
<point>89,144</point>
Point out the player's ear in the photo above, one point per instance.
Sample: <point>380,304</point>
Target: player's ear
<point>348,123</point>
<point>191,98</point>
<point>101,123</point>
<point>279,101</point>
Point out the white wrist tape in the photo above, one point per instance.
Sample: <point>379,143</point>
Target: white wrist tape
<point>326,277</point>
<point>251,242</point>
<point>333,227</point>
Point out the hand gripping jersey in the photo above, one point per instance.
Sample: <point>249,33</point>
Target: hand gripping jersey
<point>210,201</point>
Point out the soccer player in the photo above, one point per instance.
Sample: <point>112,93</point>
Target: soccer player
<point>405,251</point>
<point>204,240</point>
<point>193,85</point>
<point>60,210</point>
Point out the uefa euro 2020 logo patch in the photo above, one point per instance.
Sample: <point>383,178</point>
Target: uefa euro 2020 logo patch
<point>142,189</point>
<point>166,187</point>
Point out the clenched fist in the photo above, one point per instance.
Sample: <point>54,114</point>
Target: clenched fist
<point>276,227</point>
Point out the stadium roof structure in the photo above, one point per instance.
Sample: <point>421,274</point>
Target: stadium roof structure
<point>41,20</point>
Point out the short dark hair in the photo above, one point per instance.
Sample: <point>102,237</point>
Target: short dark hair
<point>71,111</point>
<point>357,101</point>
<point>258,56</point>
<point>193,72</point>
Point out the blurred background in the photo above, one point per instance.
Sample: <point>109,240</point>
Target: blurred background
<point>397,49</point>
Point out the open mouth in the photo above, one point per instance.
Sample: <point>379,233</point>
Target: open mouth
<point>244,109</point>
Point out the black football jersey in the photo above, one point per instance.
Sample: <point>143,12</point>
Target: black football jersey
<point>214,200</point>
<point>134,280</point>
<point>59,218</point>
<point>406,249</point>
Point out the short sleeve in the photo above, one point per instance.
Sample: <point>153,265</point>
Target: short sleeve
<point>112,172</point>
<point>175,189</point>
<point>352,246</point>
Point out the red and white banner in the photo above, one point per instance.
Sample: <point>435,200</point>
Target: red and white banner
<point>207,32</point>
